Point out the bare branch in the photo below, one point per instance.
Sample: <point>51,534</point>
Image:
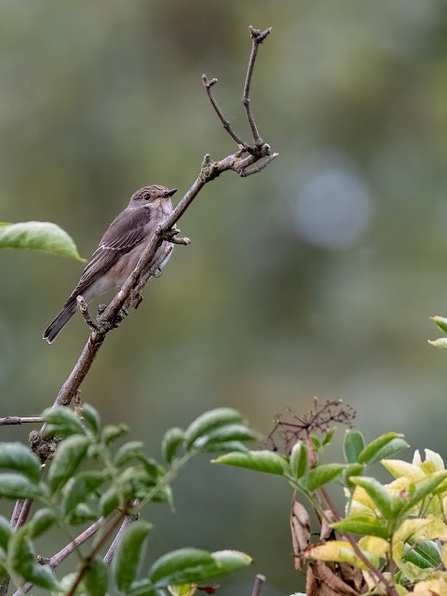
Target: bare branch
<point>11,420</point>
<point>60,556</point>
<point>56,559</point>
<point>112,549</point>
<point>208,85</point>
<point>261,165</point>
<point>259,582</point>
<point>20,514</point>
<point>83,309</point>
<point>257,37</point>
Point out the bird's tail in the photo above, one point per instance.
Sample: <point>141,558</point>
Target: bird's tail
<point>56,326</point>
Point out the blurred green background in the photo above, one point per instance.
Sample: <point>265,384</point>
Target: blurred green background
<point>316,276</point>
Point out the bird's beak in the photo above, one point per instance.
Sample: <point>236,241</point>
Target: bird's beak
<point>171,192</point>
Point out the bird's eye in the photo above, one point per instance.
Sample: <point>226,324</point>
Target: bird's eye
<point>147,196</point>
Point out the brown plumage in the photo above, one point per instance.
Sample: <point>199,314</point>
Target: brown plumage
<point>119,250</point>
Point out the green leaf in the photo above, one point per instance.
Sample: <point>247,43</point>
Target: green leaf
<point>351,470</point>
<point>378,494</point>
<point>422,489</point>
<point>177,565</point>
<point>129,554</point>
<point>21,559</point>
<point>363,524</point>
<point>353,445</point>
<point>3,573</point>
<point>258,461</point>
<point>16,486</point>
<point>225,447</point>
<point>440,343</point>
<point>230,432</point>
<point>19,458</point>
<point>80,488</point>
<point>137,483</point>
<point>113,433</point>
<point>230,560</point>
<point>92,418</point>
<point>152,468</point>
<point>109,501</point>
<point>192,565</point>
<point>95,578</point>
<point>142,588</point>
<point>317,444</point>
<point>128,452</point>
<point>81,514</point>
<point>323,474</point>
<point>42,521</point>
<point>5,532</point>
<point>209,421</point>
<point>69,455</point>
<point>427,554</point>
<point>328,437</point>
<point>441,322</point>
<point>298,460</point>
<point>38,235</point>
<point>172,441</point>
<point>63,422</point>
<point>382,447</point>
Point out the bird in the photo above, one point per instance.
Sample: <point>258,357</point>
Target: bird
<point>119,251</point>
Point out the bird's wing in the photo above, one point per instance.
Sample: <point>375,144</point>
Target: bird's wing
<point>127,230</point>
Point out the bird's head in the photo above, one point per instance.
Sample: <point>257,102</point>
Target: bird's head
<point>151,193</point>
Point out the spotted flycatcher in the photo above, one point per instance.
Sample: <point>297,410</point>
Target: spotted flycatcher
<point>120,250</point>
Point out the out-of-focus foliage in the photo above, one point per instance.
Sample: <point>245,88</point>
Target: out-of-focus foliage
<point>122,482</point>
<point>38,235</point>
<point>316,276</point>
<point>401,524</point>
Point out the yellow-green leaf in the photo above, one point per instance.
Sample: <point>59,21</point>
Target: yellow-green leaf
<point>340,551</point>
<point>38,235</point>
<point>399,468</point>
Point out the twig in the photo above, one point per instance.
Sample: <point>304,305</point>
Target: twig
<point>208,84</point>
<point>83,309</point>
<point>261,165</point>
<point>10,420</point>
<point>257,37</point>
<point>92,554</point>
<point>257,586</point>
<point>56,559</point>
<point>21,513</point>
<point>112,548</point>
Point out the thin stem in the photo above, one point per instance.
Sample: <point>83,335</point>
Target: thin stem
<point>259,582</point>
<point>83,309</point>
<point>208,85</point>
<point>95,551</point>
<point>108,557</point>
<point>78,541</point>
<point>10,420</point>
<point>261,165</point>
<point>22,513</point>
<point>257,37</point>
<point>167,479</point>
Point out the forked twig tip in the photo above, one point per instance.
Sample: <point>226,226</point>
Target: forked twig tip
<point>258,35</point>
<point>207,83</point>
